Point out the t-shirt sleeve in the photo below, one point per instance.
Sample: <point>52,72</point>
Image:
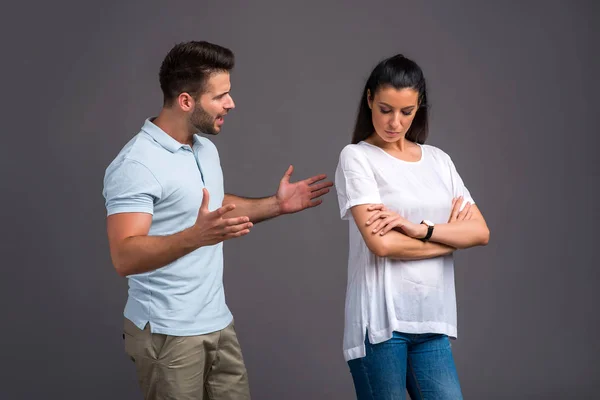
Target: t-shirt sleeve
<point>458,186</point>
<point>354,181</point>
<point>130,186</point>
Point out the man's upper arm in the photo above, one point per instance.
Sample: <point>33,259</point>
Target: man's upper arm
<point>124,225</point>
<point>130,190</point>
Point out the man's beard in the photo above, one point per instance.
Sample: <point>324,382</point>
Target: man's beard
<point>203,121</point>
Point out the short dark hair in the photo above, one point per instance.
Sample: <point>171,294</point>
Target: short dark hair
<point>398,72</point>
<point>187,67</point>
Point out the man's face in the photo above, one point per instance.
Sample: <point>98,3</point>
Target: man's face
<point>212,105</point>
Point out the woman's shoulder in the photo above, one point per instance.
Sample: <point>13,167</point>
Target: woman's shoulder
<point>353,150</point>
<point>354,154</point>
<point>436,152</point>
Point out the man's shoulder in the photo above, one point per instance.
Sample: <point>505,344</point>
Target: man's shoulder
<point>140,149</point>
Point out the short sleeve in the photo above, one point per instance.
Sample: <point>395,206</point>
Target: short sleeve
<point>130,186</point>
<point>458,186</point>
<point>354,181</point>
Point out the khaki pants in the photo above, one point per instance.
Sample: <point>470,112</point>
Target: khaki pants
<point>204,367</point>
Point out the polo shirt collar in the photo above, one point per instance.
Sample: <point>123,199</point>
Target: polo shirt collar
<point>161,136</point>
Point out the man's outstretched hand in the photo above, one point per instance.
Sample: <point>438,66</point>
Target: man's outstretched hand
<point>297,196</point>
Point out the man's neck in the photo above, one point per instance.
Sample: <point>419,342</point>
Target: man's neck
<point>174,126</point>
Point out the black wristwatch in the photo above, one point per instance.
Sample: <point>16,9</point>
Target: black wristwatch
<point>430,226</point>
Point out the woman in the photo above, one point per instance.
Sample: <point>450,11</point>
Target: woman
<point>409,211</point>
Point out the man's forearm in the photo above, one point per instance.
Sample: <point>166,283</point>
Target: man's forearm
<point>257,210</point>
<point>138,254</point>
<point>399,246</point>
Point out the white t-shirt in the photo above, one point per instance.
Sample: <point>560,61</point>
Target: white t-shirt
<point>384,294</point>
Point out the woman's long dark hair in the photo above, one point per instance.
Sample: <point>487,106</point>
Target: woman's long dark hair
<point>398,72</point>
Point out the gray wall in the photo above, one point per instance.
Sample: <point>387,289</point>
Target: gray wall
<point>514,89</point>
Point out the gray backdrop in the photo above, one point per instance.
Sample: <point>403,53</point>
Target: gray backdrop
<point>514,91</point>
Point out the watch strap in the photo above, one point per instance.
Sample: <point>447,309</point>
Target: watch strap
<point>429,232</point>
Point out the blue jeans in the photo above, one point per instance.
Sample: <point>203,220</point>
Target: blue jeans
<point>422,364</point>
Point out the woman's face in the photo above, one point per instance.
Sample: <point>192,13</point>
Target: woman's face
<point>393,111</point>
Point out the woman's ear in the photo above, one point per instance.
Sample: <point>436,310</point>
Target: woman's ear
<point>369,99</point>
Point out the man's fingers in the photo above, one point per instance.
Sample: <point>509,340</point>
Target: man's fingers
<point>319,193</point>
<point>219,212</point>
<point>288,174</point>
<point>469,216</point>
<point>205,200</point>
<point>238,227</point>
<point>315,203</point>
<point>236,221</point>
<point>236,234</point>
<point>316,178</point>
<point>321,185</point>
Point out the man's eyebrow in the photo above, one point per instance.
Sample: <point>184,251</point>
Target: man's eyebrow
<point>221,95</point>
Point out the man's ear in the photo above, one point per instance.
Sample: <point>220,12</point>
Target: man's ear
<point>185,101</point>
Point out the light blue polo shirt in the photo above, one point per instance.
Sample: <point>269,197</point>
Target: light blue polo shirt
<point>156,174</point>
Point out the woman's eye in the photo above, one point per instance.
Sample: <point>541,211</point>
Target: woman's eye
<point>407,113</point>
<point>383,111</point>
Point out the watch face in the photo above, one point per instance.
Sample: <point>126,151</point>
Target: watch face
<point>427,222</point>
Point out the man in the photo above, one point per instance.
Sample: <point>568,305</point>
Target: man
<point>167,218</point>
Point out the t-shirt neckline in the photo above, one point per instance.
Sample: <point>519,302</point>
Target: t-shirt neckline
<point>397,159</point>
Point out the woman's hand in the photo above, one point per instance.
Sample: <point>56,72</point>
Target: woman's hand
<point>384,220</point>
<point>457,215</point>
